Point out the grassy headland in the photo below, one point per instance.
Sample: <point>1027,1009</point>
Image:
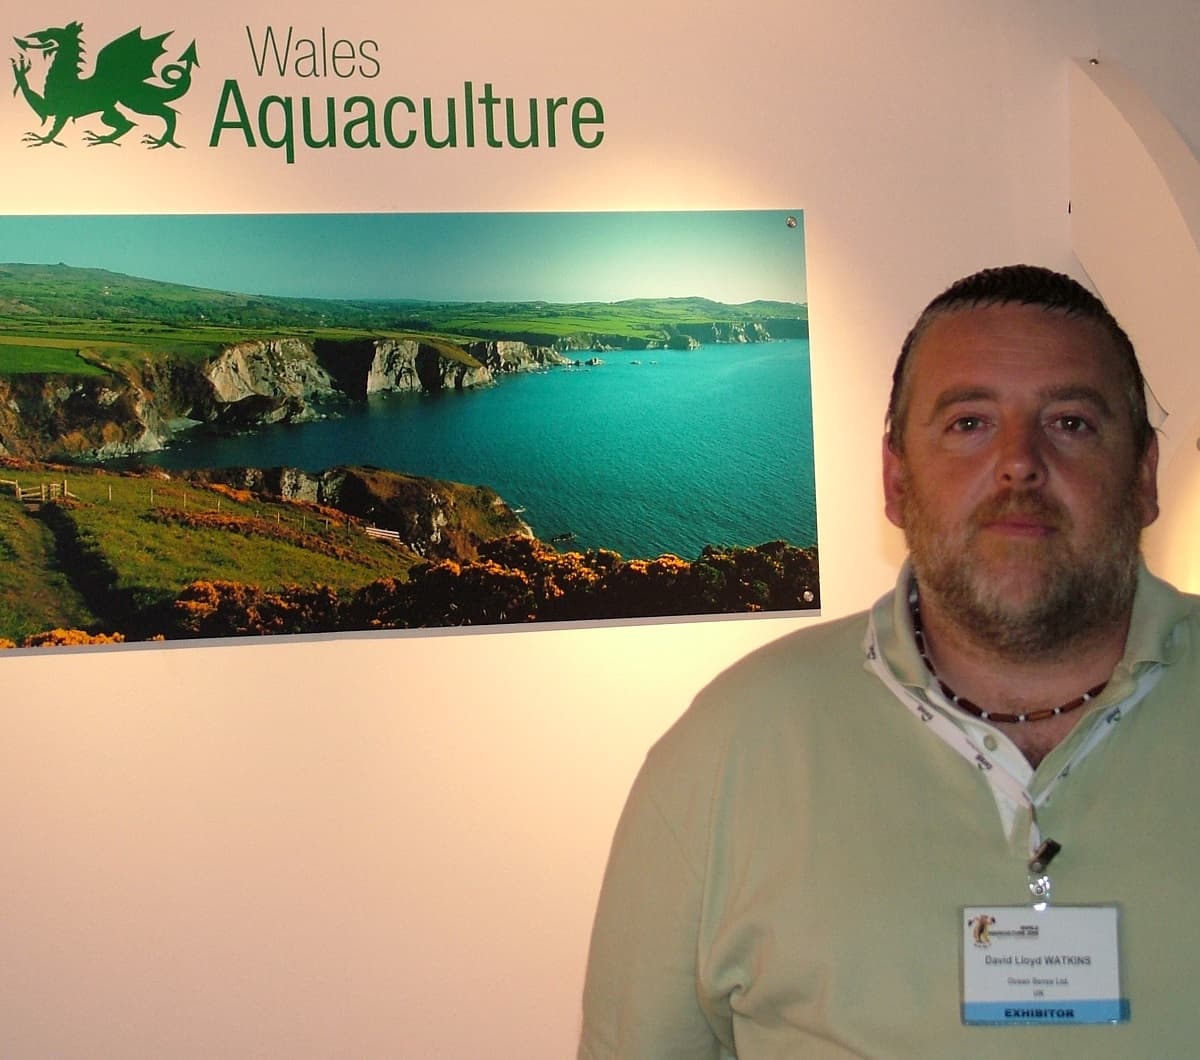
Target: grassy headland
<point>140,555</point>
<point>48,312</point>
<point>117,548</point>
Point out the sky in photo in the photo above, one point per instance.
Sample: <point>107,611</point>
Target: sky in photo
<point>728,256</point>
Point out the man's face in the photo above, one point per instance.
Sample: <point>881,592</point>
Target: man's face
<point>1017,481</point>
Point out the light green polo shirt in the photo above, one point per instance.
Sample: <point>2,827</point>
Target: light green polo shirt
<point>788,875</point>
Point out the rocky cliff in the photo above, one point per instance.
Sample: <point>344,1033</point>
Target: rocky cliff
<point>140,407</point>
<point>73,418</point>
<point>502,356</point>
<point>434,518</point>
<point>283,371</point>
<point>413,365</point>
<point>409,365</point>
<point>725,332</point>
<point>673,336</point>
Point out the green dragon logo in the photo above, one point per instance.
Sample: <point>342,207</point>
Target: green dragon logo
<point>121,81</point>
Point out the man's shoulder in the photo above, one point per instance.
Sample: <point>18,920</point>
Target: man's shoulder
<point>1165,624</point>
<point>827,650</point>
<point>772,688</point>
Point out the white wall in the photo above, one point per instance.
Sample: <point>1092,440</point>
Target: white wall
<point>390,846</point>
<point>1135,228</point>
<point>1156,45</point>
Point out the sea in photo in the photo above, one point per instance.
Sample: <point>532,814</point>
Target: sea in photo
<point>661,451</point>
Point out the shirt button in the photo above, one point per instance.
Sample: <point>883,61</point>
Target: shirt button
<point>990,742</point>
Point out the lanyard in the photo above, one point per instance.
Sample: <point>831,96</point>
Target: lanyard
<point>999,778</point>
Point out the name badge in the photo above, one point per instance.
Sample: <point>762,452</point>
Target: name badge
<point>1060,964</point>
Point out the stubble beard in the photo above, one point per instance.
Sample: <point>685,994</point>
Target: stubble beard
<point>1027,599</point>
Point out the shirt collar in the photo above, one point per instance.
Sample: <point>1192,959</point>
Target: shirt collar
<point>1155,626</point>
<point>1158,611</point>
<point>894,633</point>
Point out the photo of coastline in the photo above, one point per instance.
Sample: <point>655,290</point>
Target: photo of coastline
<point>220,425</point>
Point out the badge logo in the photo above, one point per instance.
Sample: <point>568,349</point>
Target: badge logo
<point>123,82</point>
<point>980,926</point>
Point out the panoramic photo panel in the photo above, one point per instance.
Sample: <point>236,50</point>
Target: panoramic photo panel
<point>219,425</point>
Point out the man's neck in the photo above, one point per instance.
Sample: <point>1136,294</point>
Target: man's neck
<point>1000,684</point>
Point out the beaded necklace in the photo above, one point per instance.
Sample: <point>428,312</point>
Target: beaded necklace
<point>973,708</point>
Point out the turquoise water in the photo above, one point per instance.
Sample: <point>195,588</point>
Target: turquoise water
<point>687,448</point>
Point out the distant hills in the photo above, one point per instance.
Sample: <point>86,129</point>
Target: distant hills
<point>68,293</point>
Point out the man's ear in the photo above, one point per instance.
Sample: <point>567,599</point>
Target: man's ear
<point>1147,482</point>
<point>894,479</point>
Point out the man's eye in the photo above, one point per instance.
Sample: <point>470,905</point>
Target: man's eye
<point>965,424</point>
<point>1072,424</point>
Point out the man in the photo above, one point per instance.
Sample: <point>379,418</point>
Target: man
<point>838,850</point>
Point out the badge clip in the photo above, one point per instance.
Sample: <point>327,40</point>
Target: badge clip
<point>1042,857</point>
<point>1039,879</point>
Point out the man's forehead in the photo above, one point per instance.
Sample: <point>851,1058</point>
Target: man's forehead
<point>1013,338</point>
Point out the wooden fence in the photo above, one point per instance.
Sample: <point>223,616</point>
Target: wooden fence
<point>162,496</point>
<point>44,492</point>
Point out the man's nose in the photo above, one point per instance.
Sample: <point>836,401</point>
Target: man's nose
<point>1021,458</point>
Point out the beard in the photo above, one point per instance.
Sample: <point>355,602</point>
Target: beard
<point>1033,599</point>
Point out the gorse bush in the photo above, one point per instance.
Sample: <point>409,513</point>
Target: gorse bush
<point>515,579</point>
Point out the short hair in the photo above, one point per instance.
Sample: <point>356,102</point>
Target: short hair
<point>1029,285</point>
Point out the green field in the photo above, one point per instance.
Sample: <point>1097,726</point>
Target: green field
<point>35,593</point>
<point>111,552</point>
<point>127,544</point>
<point>19,356</point>
<point>137,556</point>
